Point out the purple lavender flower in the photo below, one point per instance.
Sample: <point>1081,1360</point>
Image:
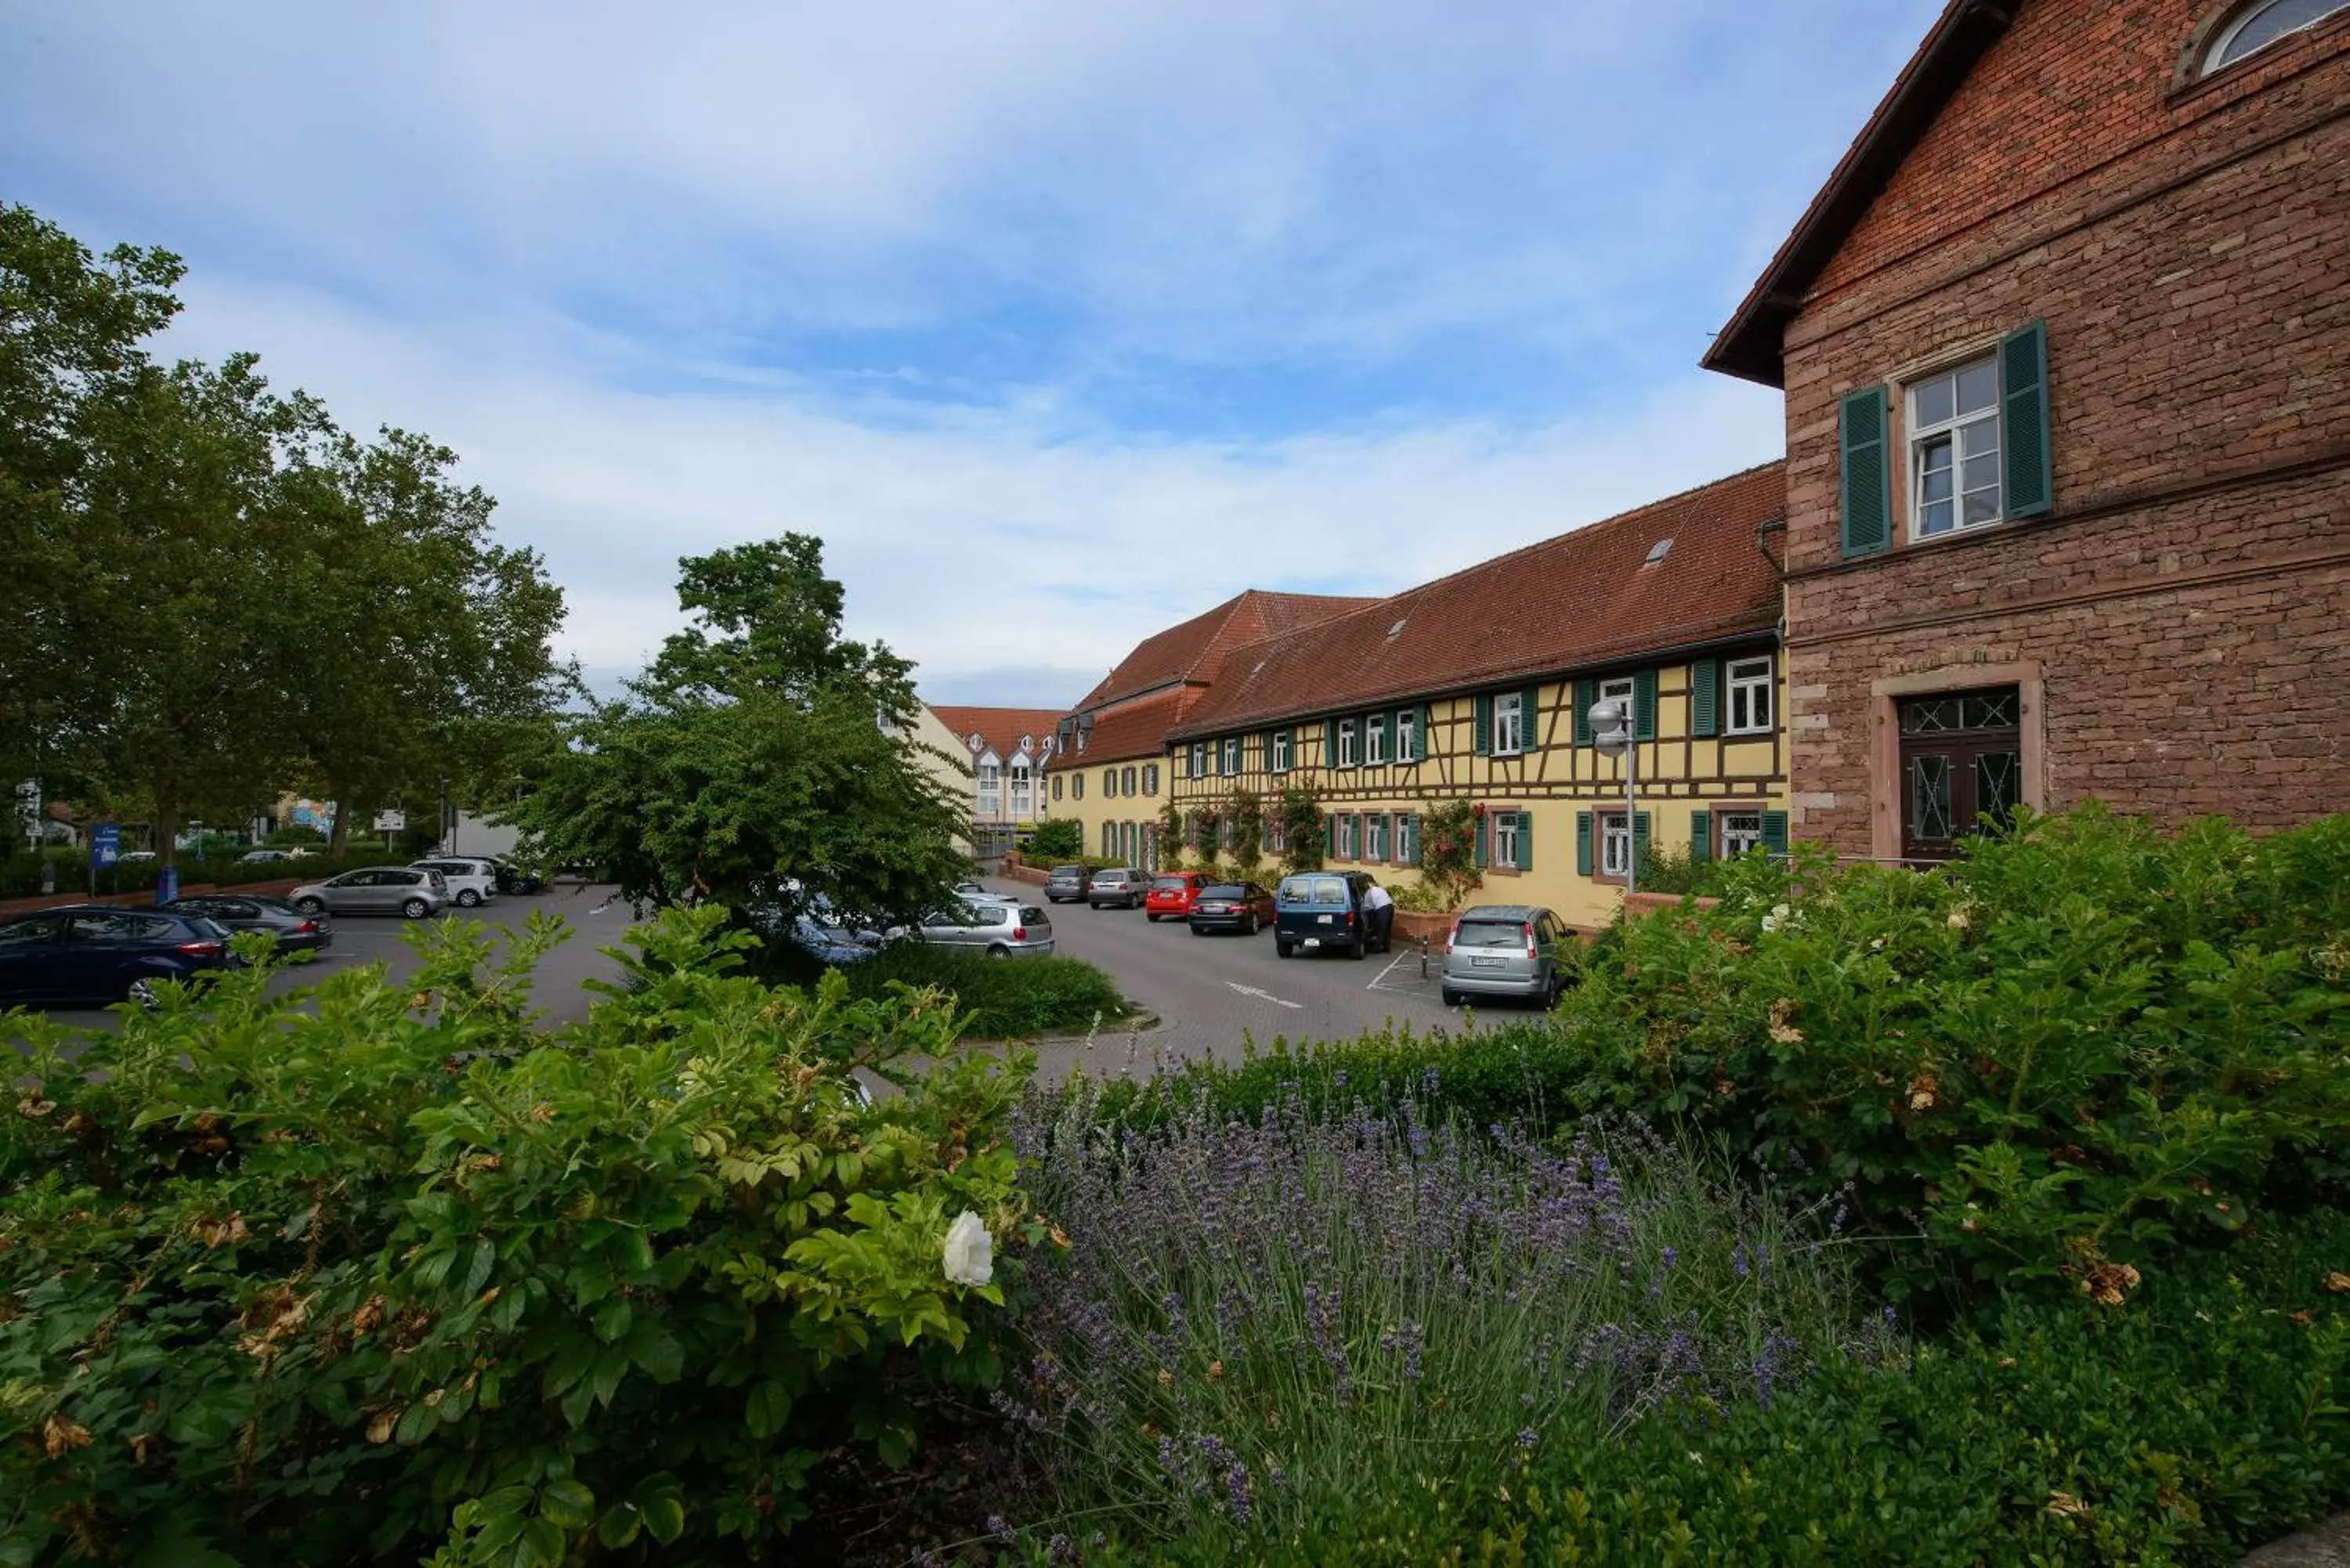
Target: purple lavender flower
<point>1528,1437</point>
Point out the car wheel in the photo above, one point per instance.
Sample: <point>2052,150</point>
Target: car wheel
<point>1359,950</point>
<point>1280,948</point>
<point>1451,998</point>
<point>416,909</point>
<point>141,992</point>
<point>1197,930</point>
<point>999,950</point>
<point>1248,926</point>
<point>1152,918</point>
<point>311,906</point>
<point>468,899</point>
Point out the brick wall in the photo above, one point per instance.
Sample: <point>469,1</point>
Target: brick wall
<point>2189,245</point>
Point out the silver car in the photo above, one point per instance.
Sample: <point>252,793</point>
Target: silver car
<point>999,930</point>
<point>1504,949</point>
<point>377,891</point>
<point>1124,887</point>
<point>472,883</point>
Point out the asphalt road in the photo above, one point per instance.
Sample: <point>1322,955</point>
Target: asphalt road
<point>557,989</point>
<point>1215,992</point>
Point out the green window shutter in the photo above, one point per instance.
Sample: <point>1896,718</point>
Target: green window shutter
<point>1644,705</point>
<point>1775,831</point>
<point>1639,838</point>
<point>1705,697</point>
<point>1427,739</point>
<point>1481,861</point>
<point>1583,844</point>
<point>1525,841</point>
<point>1293,748</point>
<point>1867,473</point>
<point>2024,403</point>
<point>1482,741</point>
<point>1586,692</point>
<point>1529,720</point>
<point>1700,838</point>
<point>1329,743</point>
<point>1330,836</point>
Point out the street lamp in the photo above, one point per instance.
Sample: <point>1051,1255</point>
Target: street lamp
<point>1611,730</point>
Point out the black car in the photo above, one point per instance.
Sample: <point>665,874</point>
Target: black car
<point>514,880</point>
<point>1243,907</point>
<point>101,952</point>
<point>248,912</point>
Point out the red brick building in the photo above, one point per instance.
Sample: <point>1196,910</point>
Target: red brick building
<point>2066,345</point>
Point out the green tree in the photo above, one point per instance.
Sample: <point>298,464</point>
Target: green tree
<point>1301,825</point>
<point>70,329</point>
<point>762,760</point>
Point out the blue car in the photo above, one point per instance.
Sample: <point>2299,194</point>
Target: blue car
<point>832,944</point>
<point>101,953</point>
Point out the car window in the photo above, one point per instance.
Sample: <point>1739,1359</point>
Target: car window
<point>231,910</point>
<point>1035,917</point>
<point>112,926</point>
<point>1167,885</point>
<point>1491,934</point>
<point>1224,890</point>
<point>354,879</point>
<point>26,933</point>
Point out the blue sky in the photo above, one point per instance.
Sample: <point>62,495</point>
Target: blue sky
<point>1060,320</point>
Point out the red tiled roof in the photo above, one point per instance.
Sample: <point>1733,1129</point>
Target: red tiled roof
<point>1192,651</point>
<point>1130,729</point>
<point>1579,601</point>
<point>1001,727</point>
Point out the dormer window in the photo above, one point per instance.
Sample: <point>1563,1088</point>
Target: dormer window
<point>2262,25</point>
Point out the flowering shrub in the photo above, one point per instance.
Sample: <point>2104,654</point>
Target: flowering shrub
<point>1448,852</point>
<point>1301,827</point>
<point>1244,810</point>
<point>331,1285</point>
<point>2081,1048</point>
<point>1264,1329</point>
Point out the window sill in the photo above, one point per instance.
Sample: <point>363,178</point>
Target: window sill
<point>1958,539</point>
<point>1763,733</point>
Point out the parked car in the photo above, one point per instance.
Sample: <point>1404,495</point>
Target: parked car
<point>999,930</point>
<point>97,952</point>
<point>1323,910</point>
<point>1243,907</point>
<point>976,894</point>
<point>515,880</point>
<point>269,857</point>
<point>472,883</point>
<point>1504,949</point>
<point>136,857</point>
<point>834,944</point>
<point>293,928</point>
<point>375,890</point>
<point>1172,894</point>
<point>1068,884</point>
<point>1126,888</point>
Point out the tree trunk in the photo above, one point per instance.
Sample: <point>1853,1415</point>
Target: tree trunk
<point>167,827</point>
<point>341,833</point>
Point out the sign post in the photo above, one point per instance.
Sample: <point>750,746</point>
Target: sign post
<point>105,850</point>
<point>388,823</point>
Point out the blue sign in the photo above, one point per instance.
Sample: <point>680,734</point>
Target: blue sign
<point>105,844</point>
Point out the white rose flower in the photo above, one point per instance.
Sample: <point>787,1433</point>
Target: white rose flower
<point>970,1254</point>
<point>1775,918</point>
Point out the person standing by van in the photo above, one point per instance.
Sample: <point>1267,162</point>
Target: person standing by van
<point>1378,913</point>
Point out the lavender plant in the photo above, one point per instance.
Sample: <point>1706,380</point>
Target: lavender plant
<point>1260,1327</point>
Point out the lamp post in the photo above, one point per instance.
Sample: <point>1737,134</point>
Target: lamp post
<point>1611,727</point>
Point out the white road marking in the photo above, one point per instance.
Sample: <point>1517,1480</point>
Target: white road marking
<point>1265,996</point>
<point>1388,970</point>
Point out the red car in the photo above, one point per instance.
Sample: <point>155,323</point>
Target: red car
<point>1172,894</point>
<point>1242,907</point>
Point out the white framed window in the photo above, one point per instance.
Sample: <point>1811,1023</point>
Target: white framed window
<point>1346,742</point>
<point>1350,836</point>
<point>1279,745</point>
<point>991,789</point>
<point>1506,839</point>
<point>1741,831</point>
<point>1615,845</point>
<point>1151,778</point>
<point>1509,723</point>
<point>1109,840</point>
<point>1374,741</point>
<point>1077,786</point>
<point>1406,734</point>
<point>1954,444</point>
<point>1125,785</point>
<point>2261,25</point>
<point>1231,756</point>
<point>1276,835</point>
<point>1375,837</point>
<point>1022,789</point>
<point>1750,681</point>
<point>1110,783</point>
<point>1199,759</point>
<point>1407,839</point>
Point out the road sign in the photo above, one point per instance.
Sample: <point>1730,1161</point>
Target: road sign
<point>392,822</point>
<point>105,844</point>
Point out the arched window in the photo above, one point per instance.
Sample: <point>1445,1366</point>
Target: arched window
<point>2262,25</point>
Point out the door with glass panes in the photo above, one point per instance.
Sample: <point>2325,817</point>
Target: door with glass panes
<point>1962,767</point>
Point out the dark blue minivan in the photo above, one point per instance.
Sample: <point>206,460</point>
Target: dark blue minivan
<point>1322,911</point>
<point>101,952</point>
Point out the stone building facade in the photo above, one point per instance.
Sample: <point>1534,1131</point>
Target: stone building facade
<point>2065,347</point>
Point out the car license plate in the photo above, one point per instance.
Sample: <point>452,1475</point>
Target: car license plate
<point>1311,942</point>
<point>1484,963</point>
<point>1322,920</point>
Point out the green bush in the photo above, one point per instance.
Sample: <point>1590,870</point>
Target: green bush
<point>20,876</point>
<point>1667,869</point>
<point>2084,1046</point>
<point>1055,843</point>
<point>2201,1420</point>
<point>994,998</point>
<point>330,1284</point>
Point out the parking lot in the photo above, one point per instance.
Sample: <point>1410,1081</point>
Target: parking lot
<point>1213,993</point>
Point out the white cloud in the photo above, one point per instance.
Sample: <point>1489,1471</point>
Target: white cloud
<point>969,540</point>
